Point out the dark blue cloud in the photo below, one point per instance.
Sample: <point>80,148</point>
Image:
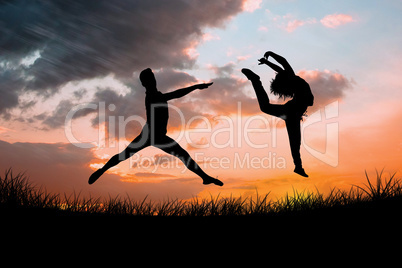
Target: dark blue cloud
<point>87,39</point>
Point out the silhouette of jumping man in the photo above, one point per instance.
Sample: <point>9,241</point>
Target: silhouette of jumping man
<point>285,84</point>
<point>154,131</point>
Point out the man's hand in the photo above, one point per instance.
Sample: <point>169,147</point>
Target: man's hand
<point>184,91</point>
<point>203,86</point>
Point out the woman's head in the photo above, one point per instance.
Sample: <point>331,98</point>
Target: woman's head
<point>284,84</point>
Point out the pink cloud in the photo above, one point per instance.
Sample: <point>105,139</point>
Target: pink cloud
<point>289,23</point>
<point>294,24</point>
<point>326,86</point>
<point>242,58</point>
<point>251,5</point>
<point>335,20</point>
<point>191,51</point>
<point>209,37</point>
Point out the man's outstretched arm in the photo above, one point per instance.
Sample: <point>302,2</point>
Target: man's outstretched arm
<point>184,91</point>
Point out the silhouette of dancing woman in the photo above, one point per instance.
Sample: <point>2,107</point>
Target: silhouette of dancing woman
<point>285,84</point>
<point>154,131</point>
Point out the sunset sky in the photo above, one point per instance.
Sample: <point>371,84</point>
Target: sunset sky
<point>71,97</point>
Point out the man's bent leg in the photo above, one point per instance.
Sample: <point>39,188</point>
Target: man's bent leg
<point>139,143</point>
<point>170,146</point>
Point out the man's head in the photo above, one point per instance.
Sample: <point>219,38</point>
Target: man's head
<point>147,78</point>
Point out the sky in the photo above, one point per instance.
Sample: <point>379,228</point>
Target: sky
<point>71,97</point>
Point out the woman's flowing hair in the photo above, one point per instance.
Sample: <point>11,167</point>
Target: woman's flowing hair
<point>283,85</point>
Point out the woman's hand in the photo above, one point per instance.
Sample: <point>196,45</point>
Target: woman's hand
<point>263,61</point>
<point>267,54</point>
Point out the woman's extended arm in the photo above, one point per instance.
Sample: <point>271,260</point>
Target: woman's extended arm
<point>281,60</point>
<point>184,91</point>
<point>273,66</point>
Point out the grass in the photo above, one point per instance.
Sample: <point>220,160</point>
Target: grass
<point>18,194</point>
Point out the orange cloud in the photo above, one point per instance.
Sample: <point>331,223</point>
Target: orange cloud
<point>4,129</point>
<point>199,144</point>
<point>335,20</point>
